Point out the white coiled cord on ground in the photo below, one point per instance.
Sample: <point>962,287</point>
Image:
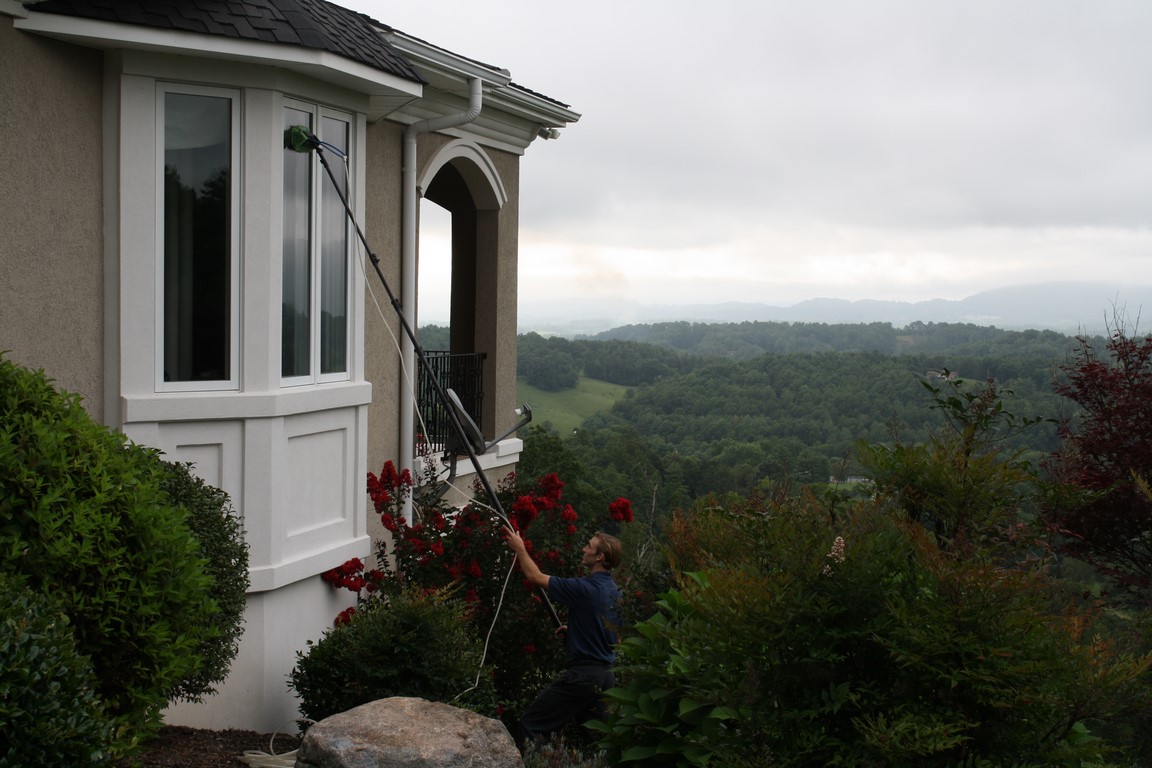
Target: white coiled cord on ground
<point>270,759</point>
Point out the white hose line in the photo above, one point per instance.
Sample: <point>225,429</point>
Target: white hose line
<point>258,759</point>
<point>270,759</point>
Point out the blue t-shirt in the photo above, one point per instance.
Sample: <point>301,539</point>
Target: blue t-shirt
<point>592,602</point>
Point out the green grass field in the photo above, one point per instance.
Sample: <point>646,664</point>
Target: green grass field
<point>565,410</point>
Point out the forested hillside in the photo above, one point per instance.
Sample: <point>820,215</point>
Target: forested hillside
<point>715,408</point>
<point>746,340</point>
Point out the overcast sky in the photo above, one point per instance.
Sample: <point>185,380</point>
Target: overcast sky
<point>779,150</point>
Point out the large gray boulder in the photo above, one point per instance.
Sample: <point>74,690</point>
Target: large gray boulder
<point>408,733</point>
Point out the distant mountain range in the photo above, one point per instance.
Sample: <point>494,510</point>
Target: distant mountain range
<point>1066,307</point>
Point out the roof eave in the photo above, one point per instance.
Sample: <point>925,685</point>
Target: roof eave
<point>442,68</point>
<point>451,73</point>
<point>532,106</point>
<point>319,64</point>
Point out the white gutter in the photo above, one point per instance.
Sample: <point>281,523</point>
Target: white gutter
<point>410,204</point>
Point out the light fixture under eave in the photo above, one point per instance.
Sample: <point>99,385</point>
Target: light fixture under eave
<point>548,133</point>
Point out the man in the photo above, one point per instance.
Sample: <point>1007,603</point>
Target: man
<point>590,639</point>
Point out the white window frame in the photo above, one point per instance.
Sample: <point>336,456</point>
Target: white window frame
<point>319,179</point>
<point>232,383</point>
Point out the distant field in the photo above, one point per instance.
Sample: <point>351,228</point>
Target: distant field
<point>566,409</point>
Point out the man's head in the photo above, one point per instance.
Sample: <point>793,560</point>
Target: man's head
<point>604,550</point>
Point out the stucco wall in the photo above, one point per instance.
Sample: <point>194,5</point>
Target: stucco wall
<point>382,212</point>
<point>505,287</point>
<point>51,246</point>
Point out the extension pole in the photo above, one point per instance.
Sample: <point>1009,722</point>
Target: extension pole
<point>422,359</point>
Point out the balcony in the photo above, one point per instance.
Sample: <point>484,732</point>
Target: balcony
<point>464,375</point>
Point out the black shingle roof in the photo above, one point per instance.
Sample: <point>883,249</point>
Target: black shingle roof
<point>307,23</point>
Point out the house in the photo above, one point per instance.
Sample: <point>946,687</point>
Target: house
<point>166,256</point>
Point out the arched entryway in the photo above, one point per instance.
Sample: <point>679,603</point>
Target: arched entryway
<point>461,179</point>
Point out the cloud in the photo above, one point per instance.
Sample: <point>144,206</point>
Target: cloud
<point>827,147</point>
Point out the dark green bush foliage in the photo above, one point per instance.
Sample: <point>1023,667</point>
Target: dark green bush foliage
<point>217,528</point>
<point>405,643</point>
<point>85,519</point>
<point>49,709</point>
<point>808,639</point>
<point>961,481</point>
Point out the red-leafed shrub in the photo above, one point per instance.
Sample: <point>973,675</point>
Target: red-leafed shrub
<point>1105,457</point>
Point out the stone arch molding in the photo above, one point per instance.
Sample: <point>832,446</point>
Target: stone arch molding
<point>477,169</point>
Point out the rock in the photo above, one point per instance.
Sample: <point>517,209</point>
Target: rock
<point>408,733</point>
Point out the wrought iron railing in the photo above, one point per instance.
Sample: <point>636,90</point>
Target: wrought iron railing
<point>464,375</point>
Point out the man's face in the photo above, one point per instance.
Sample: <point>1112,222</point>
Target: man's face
<point>590,554</point>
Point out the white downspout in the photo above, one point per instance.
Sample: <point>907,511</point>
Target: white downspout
<point>410,202</point>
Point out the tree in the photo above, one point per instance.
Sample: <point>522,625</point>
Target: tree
<point>1106,451</point>
<point>960,482</point>
<point>549,364</point>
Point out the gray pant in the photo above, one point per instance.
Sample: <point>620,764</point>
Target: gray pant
<point>575,695</point>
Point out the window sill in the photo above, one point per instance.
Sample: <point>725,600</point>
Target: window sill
<point>210,406</point>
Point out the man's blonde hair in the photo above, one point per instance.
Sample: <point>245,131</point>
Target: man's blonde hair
<point>609,546</point>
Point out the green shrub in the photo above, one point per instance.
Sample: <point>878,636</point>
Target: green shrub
<point>858,640</point>
<point>48,702</point>
<point>408,643</point>
<point>84,518</point>
<point>217,529</point>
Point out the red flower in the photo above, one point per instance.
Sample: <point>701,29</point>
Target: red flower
<point>621,510</point>
<point>524,511</point>
<point>474,570</point>
<point>571,530</point>
<point>377,492</point>
<point>345,616</point>
<point>529,648</point>
<point>437,548</point>
<point>551,486</point>
<point>390,479</point>
<point>569,514</point>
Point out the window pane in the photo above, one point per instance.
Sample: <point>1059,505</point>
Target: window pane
<point>334,256</point>
<point>296,311</point>
<point>197,236</point>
